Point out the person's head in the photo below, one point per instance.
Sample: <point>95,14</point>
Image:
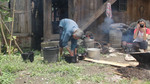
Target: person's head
<point>78,34</point>
<point>142,23</point>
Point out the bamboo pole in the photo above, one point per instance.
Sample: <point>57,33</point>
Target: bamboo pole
<point>12,37</point>
<point>0,44</point>
<point>12,27</point>
<point>3,35</point>
<point>0,41</point>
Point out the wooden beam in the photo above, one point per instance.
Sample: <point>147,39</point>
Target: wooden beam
<point>112,63</point>
<point>95,15</point>
<point>47,7</point>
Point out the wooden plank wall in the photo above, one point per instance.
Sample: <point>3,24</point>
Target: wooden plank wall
<point>79,10</point>
<point>135,10</point>
<point>83,9</point>
<point>22,22</point>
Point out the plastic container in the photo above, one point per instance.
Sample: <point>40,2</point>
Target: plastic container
<point>50,54</point>
<point>115,38</point>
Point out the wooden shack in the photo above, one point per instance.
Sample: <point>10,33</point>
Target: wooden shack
<point>37,20</point>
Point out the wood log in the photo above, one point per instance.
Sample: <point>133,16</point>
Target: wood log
<point>112,63</point>
<point>95,15</point>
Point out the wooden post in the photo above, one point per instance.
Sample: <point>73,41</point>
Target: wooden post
<point>12,27</point>
<point>47,19</point>
<point>0,38</point>
<point>2,32</point>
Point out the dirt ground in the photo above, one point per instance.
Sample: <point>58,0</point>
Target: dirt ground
<point>112,73</point>
<point>141,71</point>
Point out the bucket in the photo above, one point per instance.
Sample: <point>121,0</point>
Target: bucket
<point>93,53</point>
<point>89,43</point>
<point>71,59</point>
<point>28,56</point>
<point>50,54</point>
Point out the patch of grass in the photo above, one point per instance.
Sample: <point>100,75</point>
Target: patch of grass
<point>98,78</point>
<point>69,68</point>
<point>124,81</point>
<point>61,72</point>
<point>63,80</point>
<point>10,65</point>
<point>7,78</point>
<point>146,82</point>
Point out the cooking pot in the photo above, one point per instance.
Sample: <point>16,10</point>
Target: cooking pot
<point>89,43</point>
<point>93,53</point>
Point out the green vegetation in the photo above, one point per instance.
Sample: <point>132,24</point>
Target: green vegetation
<point>81,50</point>
<point>13,68</point>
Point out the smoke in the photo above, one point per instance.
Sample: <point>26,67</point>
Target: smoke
<point>128,36</point>
<point>103,29</point>
<point>105,26</point>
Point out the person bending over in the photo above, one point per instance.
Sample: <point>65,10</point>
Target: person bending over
<point>69,31</point>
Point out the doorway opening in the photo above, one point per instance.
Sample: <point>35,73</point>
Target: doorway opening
<point>59,11</point>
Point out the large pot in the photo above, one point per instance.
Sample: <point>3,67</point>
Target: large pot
<point>89,43</point>
<point>93,53</point>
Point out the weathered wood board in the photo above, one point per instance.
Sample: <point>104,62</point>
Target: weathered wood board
<point>112,63</point>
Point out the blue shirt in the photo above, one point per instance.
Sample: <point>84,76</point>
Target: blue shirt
<point>69,26</point>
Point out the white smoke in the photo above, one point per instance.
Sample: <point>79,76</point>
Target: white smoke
<point>105,26</point>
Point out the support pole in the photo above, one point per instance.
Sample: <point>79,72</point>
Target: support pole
<point>2,32</point>
<point>12,37</point>
<point>12,27</point>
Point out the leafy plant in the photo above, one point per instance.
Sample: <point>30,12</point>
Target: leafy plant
<point>81,50</point>
<point>4,11</point>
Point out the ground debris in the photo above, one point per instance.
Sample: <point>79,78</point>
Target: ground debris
<point>134,72</point>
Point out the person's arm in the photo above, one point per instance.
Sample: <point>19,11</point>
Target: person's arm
<point>136,31</point>
<point>145,35</point>
<point>65,40</point>
<point>71,52</point>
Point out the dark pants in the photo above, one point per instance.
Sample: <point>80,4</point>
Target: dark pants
<point>140,45</point>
